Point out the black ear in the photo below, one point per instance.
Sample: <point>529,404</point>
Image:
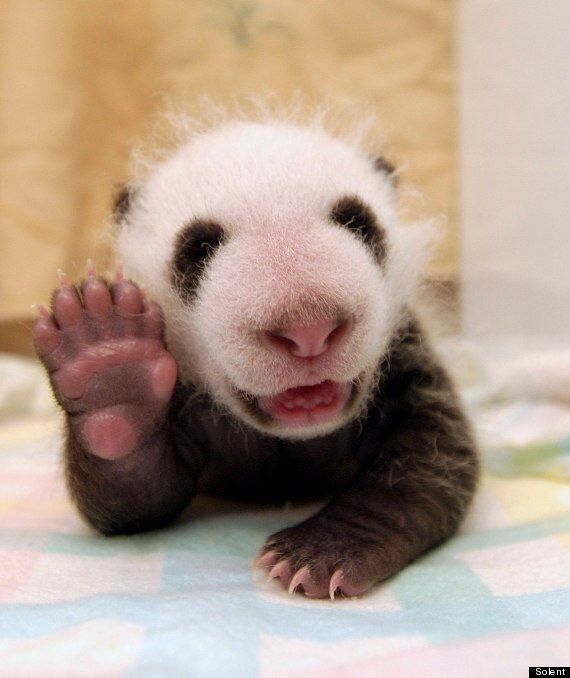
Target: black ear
<point>387,168</point>
<point>123,200</point>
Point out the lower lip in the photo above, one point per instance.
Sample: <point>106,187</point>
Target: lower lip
<point>306,405</point>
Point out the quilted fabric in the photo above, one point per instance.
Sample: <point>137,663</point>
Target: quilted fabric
<point>186,602</point>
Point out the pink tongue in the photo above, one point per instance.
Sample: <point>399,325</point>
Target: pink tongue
<point>308,397</point>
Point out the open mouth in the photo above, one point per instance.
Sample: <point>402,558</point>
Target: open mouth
<point>305,405</point>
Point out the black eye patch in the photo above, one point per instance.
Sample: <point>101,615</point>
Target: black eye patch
<point>354,215</point>
<point>195,244</point>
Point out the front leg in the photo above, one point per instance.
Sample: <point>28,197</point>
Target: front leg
<point>412,495</point>
<point>104,351</point>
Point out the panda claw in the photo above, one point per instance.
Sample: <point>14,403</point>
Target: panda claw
<point>336,582</point>
<point>62,278</point>
<point>339,584</point>
<point>40,310</point>
<point>91,270</point>
<point>280,571</point>
<point>301,578</point>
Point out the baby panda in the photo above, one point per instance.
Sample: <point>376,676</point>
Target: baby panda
<point>274,355</point>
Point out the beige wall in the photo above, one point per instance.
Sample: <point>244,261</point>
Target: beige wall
<point>80,81</point>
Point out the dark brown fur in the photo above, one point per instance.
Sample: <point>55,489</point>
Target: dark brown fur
<point>400,480</point>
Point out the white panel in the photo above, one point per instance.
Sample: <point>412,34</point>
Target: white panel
<point>514,75</point>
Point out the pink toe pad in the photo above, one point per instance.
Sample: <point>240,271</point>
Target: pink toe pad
<point>110,436</point>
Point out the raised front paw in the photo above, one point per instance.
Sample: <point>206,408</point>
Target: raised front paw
<point>102,345</point>
<point>320,559</point>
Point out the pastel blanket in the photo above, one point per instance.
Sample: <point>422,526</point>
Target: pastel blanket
<point>186,602</point>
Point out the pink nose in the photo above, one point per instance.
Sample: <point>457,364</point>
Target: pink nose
<point>308,341</point>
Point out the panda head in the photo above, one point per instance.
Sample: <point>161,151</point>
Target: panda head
<point>276,254</point>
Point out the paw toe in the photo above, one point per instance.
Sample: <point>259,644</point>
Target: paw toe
<point>46,336</point>
<point>163,377</point>
<point>266,559</point>
<point>153,319</point>
<point>96,298</point>
<point>127,298</point>
<point>67,307</point>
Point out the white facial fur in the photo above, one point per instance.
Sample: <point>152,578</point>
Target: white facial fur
<point>271,186</point>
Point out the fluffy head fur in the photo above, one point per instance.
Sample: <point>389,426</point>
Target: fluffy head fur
<point>283,259</point>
